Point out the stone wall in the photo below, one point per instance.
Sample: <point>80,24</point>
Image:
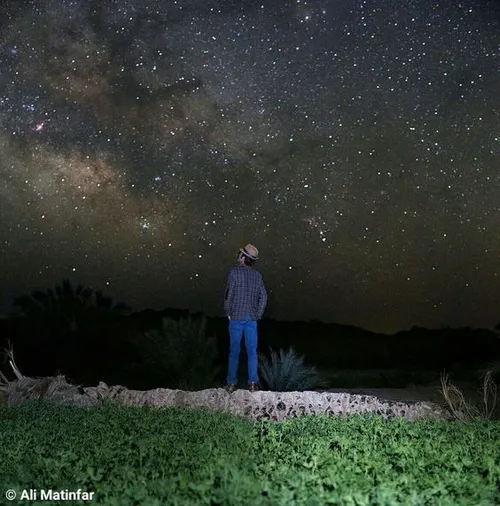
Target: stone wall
<point>253,405</point>
<point>271,405</point>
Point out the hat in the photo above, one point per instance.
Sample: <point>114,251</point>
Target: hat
<point>250,251</point>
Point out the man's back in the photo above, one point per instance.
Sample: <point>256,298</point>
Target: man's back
<point>245,294</point>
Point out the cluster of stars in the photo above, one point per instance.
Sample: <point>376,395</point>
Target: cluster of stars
<point>156,140</point>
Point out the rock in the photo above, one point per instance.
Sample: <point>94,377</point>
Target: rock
<point>53,388</point>
<point>252,405</point>
<point>270,405</point>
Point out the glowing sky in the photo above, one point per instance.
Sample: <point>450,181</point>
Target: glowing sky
<point>355,143</point>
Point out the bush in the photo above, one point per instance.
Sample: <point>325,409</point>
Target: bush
<point>467,411</point>
<point>180,354</point>
<point>286,372</point>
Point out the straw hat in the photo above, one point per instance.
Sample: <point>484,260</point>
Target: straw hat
<point>250,251</point>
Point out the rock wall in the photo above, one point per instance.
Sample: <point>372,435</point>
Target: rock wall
<point>271,405</point>
<point>253,405</point>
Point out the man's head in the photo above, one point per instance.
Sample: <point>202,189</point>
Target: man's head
<point>248,255</point>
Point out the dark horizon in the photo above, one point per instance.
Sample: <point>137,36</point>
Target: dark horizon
<point>7,308</point>
<point>356,145</point>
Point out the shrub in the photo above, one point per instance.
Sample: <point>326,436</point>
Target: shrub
<point>180,354</point>
<point>286,372</point>
<point>466,411</point>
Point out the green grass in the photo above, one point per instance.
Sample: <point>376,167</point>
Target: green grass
<point>177,456</point>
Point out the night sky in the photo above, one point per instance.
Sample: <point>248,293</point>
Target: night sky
<point>355,143</point>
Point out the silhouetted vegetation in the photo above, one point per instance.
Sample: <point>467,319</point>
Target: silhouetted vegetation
<point>71,330</point>
<point>286,372</point>
<point>79,332</point>
<point>180,355</point>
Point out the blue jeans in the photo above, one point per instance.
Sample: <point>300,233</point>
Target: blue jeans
<point>236,329</point>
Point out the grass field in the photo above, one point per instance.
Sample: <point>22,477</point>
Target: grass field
<point>146,456</point>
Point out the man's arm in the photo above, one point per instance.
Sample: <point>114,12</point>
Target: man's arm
<point>262,298</point>
<point>228,294</point>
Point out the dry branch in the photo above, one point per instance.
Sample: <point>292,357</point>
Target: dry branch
<point>3,382</point>
<point>12,362</point>
<point>466,411</point>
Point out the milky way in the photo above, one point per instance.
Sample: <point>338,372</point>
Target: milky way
<point>355,143</point>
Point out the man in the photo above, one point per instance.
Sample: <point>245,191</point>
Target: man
<point>245,300</point>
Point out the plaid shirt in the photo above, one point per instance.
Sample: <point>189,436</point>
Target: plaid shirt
<point>245,294</point>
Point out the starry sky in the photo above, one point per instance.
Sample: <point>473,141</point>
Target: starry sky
<point>355,143</point>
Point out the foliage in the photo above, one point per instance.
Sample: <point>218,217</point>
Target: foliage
<point>367,460</point>
<point>286,372</point>
<point>68,307</point>
<point>145,455</point>
<point>181,354</point>
<point>466,411</point>
<point>68,328</point>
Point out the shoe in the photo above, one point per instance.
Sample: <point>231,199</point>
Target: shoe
<point>253,387</point>
<point>230,388</point>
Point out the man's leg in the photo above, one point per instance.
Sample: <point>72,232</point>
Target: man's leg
<point>251,346</point>
<point>235,333</point>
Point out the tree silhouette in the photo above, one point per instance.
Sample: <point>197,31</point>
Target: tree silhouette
<point>72,330</point>
<point>69,306</point>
